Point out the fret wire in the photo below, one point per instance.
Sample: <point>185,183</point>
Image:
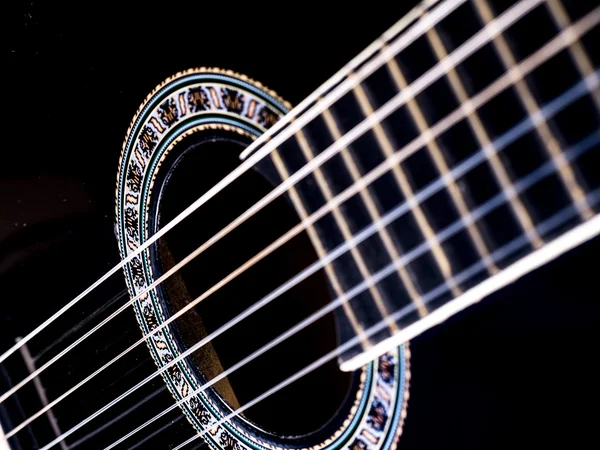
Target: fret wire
<point>440,162</point>
<point>375,215</point>
<point>344,228</point>
<point>527,99</point>
<point>576,49</point>
<point>321,253</point>
<point>484,141</point>
<point>388,150</point>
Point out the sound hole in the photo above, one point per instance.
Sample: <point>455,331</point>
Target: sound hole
<point>304,406</point>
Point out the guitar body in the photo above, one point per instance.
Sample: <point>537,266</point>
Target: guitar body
<point>516,370</point>
<point>216,106</point>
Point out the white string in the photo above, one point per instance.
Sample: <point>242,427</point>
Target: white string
<point>568,97</point>
<point>525,67</point>
<point>451,60</point>
<point>429,20</point>
<point>525,183</point>
<point>125,413</point>
<point>516,244</point>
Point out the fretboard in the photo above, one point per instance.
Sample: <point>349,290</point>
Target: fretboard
<point>459,156</point>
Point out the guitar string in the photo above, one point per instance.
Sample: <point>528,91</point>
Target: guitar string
<point>156,432</point>
<point>516,244</point>
<point>461,53</point>
<point>576,92</point>
<point>125,413</point>
<point>82,323</point>
<point>329,92</point>
<point>527,66</point>
<point>522,185</point>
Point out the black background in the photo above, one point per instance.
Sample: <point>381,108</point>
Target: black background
<point>518,370</point>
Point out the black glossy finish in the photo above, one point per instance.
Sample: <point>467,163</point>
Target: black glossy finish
<point>518,370</point>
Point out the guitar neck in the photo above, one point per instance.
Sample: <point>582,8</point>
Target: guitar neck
<point>458,157</point>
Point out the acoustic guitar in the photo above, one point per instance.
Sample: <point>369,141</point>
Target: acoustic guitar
<point>263,272</point>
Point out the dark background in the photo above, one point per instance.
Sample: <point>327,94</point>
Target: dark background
<point>518,370</point>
